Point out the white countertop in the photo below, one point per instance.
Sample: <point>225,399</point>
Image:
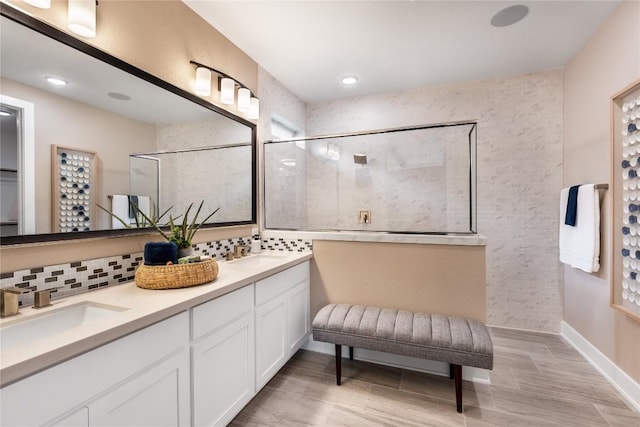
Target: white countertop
<point>144,308</point>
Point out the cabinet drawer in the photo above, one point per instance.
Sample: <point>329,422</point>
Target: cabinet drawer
<point>211,315</point>
<point>279,283</point>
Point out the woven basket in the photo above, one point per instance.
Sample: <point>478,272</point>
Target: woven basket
<point>176,275</point>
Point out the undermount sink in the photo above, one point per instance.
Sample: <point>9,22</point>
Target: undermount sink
<point>257,260</point>
<point>54,321</point>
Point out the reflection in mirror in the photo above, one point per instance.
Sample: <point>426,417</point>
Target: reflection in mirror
<point>200,151</point>
<point>172,180</point>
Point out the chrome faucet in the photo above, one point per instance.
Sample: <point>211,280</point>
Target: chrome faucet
<point>9,301</point>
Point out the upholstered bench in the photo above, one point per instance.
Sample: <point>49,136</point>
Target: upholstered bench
<point>455,340</point>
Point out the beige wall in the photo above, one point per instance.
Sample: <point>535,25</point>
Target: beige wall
<point>443,279</point>
<point>606,64</point>
<point>159,37</point>
<point>110,135</point>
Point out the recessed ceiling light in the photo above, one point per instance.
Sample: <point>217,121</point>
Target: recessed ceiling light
<point>119,96</point>
<point>56,81</point>
<point>509,15</point>
<point>349,80</point>
<point>5,113</point>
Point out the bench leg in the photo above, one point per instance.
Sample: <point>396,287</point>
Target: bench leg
<point>338,363</point>
<point>350,353</point>
<point>457,377</point>
<point>450,371</point>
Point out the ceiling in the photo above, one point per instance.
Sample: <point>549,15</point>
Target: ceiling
<point>394,45</point>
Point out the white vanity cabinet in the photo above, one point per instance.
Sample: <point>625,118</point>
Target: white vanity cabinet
<point>134,380</point>
<point>282,319</point>
<point>223,370</point>
<point>199,367</point>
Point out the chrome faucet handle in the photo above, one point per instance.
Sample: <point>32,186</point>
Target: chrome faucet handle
<point>43,298</point>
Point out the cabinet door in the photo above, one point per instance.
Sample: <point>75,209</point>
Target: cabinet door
<point>158,396</point>
<point>223,373</point>
<point>271,339</point>
<point>298,316</point>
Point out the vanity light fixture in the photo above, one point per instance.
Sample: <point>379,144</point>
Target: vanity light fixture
<point>247,103</point>
<point>203,81</point>
<point>56,81</point>
<point>42,4</point>
<point>227,90</point>
<point>244,99</point>
<point>82,17</point>
<point>254,108</point>
<point>4,113</point>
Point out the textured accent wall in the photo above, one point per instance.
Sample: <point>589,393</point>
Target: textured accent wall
<point>519,177</point>
<point>279,102</point>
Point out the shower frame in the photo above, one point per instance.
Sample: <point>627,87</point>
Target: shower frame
<point>472,169</point>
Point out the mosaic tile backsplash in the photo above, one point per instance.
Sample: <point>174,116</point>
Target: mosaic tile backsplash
<point>83,276</point>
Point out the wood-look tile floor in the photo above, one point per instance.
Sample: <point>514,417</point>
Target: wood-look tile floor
<point>537,380</point>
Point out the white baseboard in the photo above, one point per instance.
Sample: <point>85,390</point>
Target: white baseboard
<point>429,366</point>
<point>626,385</point>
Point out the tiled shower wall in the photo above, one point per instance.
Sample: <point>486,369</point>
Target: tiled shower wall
<point>83,276</point>
<point>519,177</point>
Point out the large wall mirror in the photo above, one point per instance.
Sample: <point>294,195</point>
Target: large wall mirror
<point>111,135</point>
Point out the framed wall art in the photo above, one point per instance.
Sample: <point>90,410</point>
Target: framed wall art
<point>625,152</point>
<point>73,189</point>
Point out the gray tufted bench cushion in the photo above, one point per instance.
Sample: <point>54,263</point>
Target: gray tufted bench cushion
<point>455,340</point>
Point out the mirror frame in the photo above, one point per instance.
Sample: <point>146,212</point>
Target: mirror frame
<point>64,38</point>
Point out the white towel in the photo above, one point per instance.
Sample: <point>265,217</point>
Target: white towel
<point>580,245</point>
<point>120,208</point>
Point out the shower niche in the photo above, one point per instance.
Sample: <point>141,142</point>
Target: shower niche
<point>419,179</point>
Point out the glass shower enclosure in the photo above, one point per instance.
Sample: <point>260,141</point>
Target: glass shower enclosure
<point>419,179</point>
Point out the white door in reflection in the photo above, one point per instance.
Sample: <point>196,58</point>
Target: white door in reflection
<point>17,167</point>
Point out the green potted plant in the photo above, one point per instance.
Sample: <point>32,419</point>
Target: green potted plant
<point>181,233</point>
